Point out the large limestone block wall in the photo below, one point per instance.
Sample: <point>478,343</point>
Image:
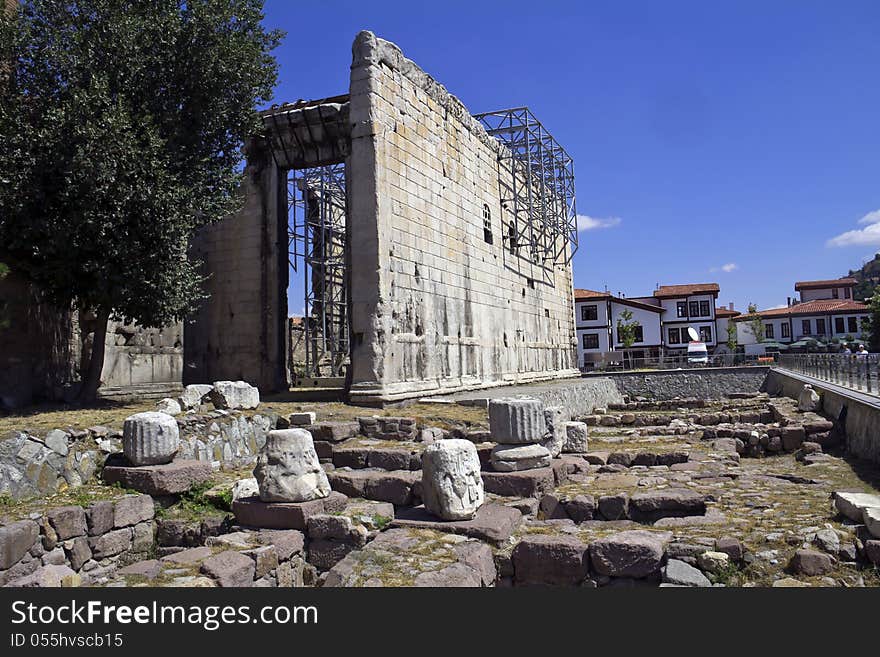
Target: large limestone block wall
<point>860,413</point>
<point>435,308</point>
<point>238,333</point>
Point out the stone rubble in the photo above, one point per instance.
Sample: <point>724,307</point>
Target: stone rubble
<point>288,469</point>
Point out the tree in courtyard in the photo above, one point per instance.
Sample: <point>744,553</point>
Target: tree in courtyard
<point>627,330</point>
<point>755,324</point>
<point>871,325</point>
<point>732,340</point>
<point>121,125</point>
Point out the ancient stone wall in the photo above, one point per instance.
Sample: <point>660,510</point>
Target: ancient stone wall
<point>862,411</point>
<point>41,464</point>
<point>436,308</point>
<point>239,332</point>
<point>582,396</point>
<point>710,383</point>
<point>43,349</point>
<point>39,345</point>
<point>78,545</point>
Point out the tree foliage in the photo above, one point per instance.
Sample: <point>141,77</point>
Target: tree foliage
<point>121,124</point>
<point>871,326</point>
<point>755,325</point>
<point>732,339</point>
<point>626,329</point>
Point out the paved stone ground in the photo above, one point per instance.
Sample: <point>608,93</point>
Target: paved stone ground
<point>675,493</point>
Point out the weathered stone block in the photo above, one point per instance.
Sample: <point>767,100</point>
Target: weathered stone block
<point>576,438</point>
<point>636,553</point>
<point>230,569</point>
<point>515,458</point>
<point>15,540</point>
<point>651,505</point>
<point>252,512</point>
<point>100,517</point>
<point>111,543</point>
<point>288,469</point>
<point>493,522</point>
<point>166,479</point>
<point>527,483</point>
<point>555,418</point>
<point>195,395</point>
<point>132,509</point>
<point>517,421</point>
<point>452,487</point>
<point>550,560</point>
<point>67,521</point>
<point>234,395</point>
<point>150,438</point>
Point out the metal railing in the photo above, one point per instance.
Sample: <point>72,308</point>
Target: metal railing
<point>857,371</point>
<point>616,361</point>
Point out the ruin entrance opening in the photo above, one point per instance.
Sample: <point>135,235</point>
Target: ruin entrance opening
<point>317,205</point>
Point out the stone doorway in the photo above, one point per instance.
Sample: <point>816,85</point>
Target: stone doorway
<point>317,210</point>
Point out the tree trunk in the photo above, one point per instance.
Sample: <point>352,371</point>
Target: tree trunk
<point>92,379</point>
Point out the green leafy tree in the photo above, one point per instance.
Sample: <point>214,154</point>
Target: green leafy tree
<point>121,125</point>
<point>871,326</point>
<point>755,324</point>
<point>627,330</point>
<point>732,340</point>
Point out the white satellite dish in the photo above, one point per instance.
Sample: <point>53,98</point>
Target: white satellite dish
<point>694,335</point>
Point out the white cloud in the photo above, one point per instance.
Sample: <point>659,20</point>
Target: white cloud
<point>729,267</point>
<point>867,236</point>
<point>586,222</point>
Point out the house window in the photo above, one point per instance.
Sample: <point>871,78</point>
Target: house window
<point>639,334</point>
<point>852,324</point>
<point>768,330</point>
<point>805,327</point>
<point>674,336</point>
<point>694,307</point>
<point>591,340</point>
<point>835,294</point>
<point>838,325</point>
<point>704,309</point>
<point>681,309</point>
<point>786,330</point>
<point>487,224</point>
<point>847,293</point>
<point>705,334</point>
<point>589,313</point>
<point>820,327</point>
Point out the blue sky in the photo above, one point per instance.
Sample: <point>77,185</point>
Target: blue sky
<point>713,141</point>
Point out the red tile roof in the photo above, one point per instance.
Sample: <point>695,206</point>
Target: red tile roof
<point>817,307</point>
<point>581,294</point>
<point>726,312</point>
<point>669,291</point>
<point>818,285</point>
<point>639,304</point>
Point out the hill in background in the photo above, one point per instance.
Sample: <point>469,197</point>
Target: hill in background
<point>868,277</point>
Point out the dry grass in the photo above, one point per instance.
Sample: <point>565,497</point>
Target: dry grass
<point>45,417</point>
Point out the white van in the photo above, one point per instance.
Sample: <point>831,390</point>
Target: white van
<point>697,353</point>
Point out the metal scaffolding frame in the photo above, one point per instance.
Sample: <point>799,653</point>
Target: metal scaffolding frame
<point>538,189</point>
<point>317,245</point>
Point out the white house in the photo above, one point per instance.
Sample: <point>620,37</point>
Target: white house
<point>663,318</point>
<point>688,306</point>
<point>724,319</point>
<point>826,311</point>
<point>596,318</point>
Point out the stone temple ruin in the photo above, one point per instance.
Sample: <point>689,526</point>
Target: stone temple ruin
<point>433,247</point>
